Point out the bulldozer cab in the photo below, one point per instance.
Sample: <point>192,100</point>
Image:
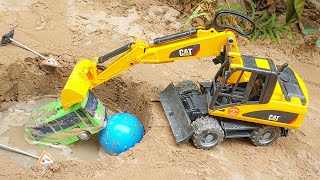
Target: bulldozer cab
<point>251,84</point>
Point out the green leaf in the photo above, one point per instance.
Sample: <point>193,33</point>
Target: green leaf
<point>308,31</point>
<point>253,9</point>
<point>238,9</point>
<point>265,23</point>
<point>299,6</point>
<point>256,34</point>
<point>264,14</point>
<point>264,35</point>
<point>196,14</point>
<point>289,34</point>
<point>271,34</point>
<point>294,10</point>
<point>282,25</point>
<point>318,42</point>
<point>273,20</point>
<point>276,32</point>
<point>196,11</point>
<point>290,11</point>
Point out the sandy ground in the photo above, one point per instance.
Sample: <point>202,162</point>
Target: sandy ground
<point>74,29</point>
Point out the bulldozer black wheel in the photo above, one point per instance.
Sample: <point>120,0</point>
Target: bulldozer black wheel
<point>186,86</point>
<point>208,133</point>
<point>265,135</point>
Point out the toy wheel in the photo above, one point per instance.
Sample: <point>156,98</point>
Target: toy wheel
<point>186,86</point>
<point>265,135</point>
<point>84,136</point>
<point>208,133</point>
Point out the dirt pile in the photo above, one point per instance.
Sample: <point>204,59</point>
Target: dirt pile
<point>28,79</point>
<point>80,29</point>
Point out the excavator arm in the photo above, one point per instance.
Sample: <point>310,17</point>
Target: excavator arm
<point>195,43</point>
<point>204,43</point>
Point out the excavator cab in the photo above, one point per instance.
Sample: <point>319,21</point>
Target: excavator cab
<point>251,84</point>
<point>243,100</point>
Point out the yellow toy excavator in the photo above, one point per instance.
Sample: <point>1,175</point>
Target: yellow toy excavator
<point>248,97</point>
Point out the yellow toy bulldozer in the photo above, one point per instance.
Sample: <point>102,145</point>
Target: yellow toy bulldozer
<point>248,97</point>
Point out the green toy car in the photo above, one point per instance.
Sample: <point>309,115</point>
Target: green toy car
<point>52,124</point>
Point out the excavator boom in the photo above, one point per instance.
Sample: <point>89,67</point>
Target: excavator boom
<point>196,43</point>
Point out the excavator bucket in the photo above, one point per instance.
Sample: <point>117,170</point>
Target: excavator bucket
<point>78,83</point>
<point>178,118</point>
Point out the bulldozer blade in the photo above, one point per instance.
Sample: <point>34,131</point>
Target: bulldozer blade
<point>178,118</point>
<point>78,83</point>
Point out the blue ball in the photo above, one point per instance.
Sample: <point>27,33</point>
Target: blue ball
<point>122,132</point>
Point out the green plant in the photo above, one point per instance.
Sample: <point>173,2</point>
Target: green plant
<point>294,10</point>
<point>266,22</point>
<point>266,25</point>
<point>233,7</point>
<point>196,13</point>
<point>204,10</point>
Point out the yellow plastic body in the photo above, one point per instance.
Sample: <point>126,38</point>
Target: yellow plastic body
<point>277,102</point>
<point>86,76</point>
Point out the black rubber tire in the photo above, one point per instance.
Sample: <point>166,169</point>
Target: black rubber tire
<point>186,86</point>
<point>265,135</point>
<point>84,139</point>
<point>207,127</point>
